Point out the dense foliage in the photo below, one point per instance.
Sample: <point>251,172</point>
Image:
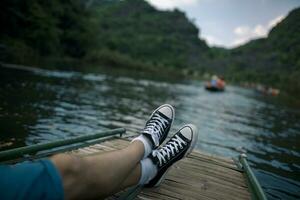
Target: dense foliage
<point>130,33</point>
<point>273,60</point>
<point>34,29</point>
<point>133,34</point>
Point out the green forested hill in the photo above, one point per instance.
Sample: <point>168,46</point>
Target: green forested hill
<point>33,30</point>
<point>133,34</point>
<point>272,60</point>
<point>136,29</point>
<point>280,48</point>
<point>121,33</point>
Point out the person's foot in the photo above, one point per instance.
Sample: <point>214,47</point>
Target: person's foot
<point>179,146</point>
<point>159,124</point>
<point>156,129</point>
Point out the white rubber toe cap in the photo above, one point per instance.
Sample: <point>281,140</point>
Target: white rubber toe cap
<point>167,110</point>
<point>189,131</point>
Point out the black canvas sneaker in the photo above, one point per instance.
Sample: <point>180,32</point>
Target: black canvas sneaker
<point>159,124</point>
<point>179,146</point>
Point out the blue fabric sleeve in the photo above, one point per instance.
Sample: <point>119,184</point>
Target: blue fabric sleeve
<point>31,180</point>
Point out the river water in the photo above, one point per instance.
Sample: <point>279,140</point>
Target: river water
<point>45,105</point>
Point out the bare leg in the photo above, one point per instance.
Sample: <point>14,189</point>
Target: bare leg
<point>100,175</point>
<point>132,179</point>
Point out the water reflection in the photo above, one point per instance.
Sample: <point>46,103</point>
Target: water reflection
<point>40,105</point>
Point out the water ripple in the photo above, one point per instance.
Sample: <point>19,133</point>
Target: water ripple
<point>39,105</point>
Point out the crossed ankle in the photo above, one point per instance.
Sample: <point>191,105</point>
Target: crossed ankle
<point>147,144</point>
<point>148,171</point>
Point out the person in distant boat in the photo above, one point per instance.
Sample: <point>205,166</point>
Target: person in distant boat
<point>221,82</point>
<point>216,83</point>
<point>144,162</point>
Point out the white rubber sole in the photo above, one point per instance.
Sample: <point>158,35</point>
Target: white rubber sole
<point>194,138</point>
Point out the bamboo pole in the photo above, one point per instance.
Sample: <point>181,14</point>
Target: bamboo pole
<point>254,184</point>
<point>18,152</point>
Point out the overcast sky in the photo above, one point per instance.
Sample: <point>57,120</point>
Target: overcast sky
<point>230,23</point>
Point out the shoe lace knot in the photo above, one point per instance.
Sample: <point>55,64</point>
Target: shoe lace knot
<point>156,126</point>
<point>165,153</point>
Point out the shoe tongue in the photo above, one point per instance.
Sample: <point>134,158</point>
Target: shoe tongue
<point>152,137</point>
<point>155,140</point>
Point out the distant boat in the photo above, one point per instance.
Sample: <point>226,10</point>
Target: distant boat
<point>216,84</point>
<point>267,90</point>
<point>211,88</point>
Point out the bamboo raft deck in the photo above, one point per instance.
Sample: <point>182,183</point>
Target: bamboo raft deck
<point>198,176</point>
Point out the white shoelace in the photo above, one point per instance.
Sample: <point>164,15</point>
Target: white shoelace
<point>155,127</point>
<point>169,149</point>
